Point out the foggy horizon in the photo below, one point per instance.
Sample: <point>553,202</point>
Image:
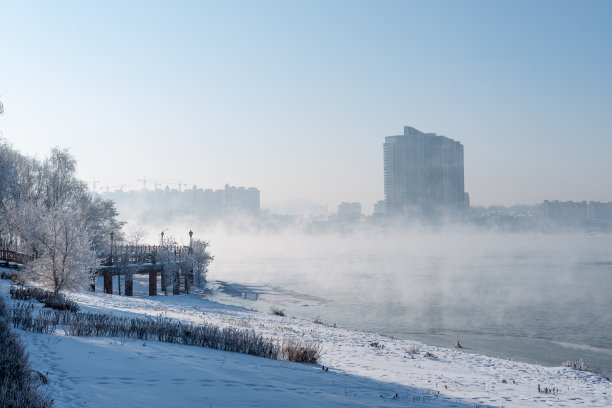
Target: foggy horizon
<point>296,99</point>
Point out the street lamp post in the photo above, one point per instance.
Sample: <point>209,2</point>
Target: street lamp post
<point>112,235</point>
<point>163,273</point>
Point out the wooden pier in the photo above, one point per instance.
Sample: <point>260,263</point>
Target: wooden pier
<point>169,263</point>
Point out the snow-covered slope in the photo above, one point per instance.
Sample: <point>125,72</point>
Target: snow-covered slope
<point>363,369</point>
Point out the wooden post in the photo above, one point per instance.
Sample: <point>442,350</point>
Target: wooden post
<point>164,280</point>
<point>153,283</point>
<point>176,288</point>
<point>186,283</point>
<point>108,282</point>
<point>129,284</point>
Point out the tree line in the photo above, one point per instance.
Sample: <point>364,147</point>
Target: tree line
<point>48,212</point>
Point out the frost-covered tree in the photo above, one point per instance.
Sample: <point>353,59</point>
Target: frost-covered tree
<point>29,171</point>
<point>9,182</point>
<point>9,177</point>
<point>101,218</point>
<point>135,236</point>
<point>61,242</point>
<point>53,183</point>
<point>59,184</point>
<point>50,215</point>
<point>201,258</point>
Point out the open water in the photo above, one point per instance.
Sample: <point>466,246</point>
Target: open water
<point>529,297</point>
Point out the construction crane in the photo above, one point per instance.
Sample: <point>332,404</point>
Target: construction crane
<point>116,188</point>
<point>169,183</point>
<point>144,182</point>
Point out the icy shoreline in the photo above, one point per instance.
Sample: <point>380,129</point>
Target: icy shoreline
<point>362,369</point>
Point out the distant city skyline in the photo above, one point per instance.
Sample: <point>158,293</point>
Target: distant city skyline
<point>295,98</point>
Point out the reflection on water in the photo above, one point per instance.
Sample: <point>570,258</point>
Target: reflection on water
<point>533,297</point>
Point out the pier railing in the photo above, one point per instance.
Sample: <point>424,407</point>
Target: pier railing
<point>7,255</point>
<point>141,254</point>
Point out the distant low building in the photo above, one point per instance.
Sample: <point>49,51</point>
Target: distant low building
<point>599,212</point>
<point>380,208</point>
<point>593,214</point>
<point>224,202</point>
<point>349,211</point>
<point>202,203</point>
<point>567,213</point>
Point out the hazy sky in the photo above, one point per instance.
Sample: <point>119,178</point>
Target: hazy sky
<point>295,98</point>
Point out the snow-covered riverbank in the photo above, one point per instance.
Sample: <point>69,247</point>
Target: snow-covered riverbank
<point>361,369</point>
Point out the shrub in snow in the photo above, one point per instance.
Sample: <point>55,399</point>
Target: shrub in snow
<point>582,366</point>
<point>546,390</point>
<point>301,352</point>
<point>19,384</point>
<point>578,365</point>
<point>15,278</point>
<point>56,301</point>
<point>164,330</point>
<point>8,276</point>
<point>28,293</point>
<point>21,316</point>
<point>414,349</point>
<point>277,311</point>
<point>169,331</point>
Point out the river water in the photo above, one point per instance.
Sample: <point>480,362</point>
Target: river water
<point>529,297</point>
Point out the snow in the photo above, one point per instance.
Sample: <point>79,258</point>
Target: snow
<point>363,370</point>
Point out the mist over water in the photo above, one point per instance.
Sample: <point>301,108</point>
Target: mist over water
<point>533,297</point>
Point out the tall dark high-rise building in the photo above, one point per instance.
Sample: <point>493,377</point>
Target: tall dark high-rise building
<point>423,173</point>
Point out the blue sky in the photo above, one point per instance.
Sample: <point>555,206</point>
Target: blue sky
<point>295,98</point>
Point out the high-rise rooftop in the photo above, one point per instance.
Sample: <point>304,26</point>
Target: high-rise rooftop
<point>423,173</point>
